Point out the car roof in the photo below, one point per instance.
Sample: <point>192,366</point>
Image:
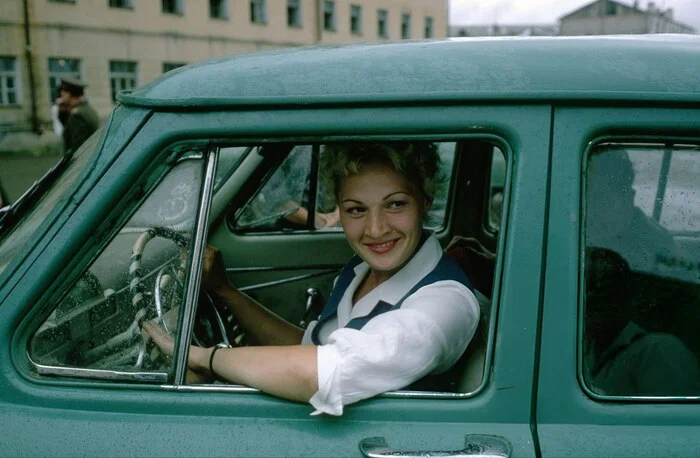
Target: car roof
<point>631,68</point>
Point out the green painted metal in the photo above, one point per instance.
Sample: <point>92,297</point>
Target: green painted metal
<point>657,68</point>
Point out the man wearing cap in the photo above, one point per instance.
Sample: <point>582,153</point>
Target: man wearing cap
<point>83,120</point>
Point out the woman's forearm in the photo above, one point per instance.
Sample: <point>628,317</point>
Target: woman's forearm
<point>287,371</point>
<point>262,325</point>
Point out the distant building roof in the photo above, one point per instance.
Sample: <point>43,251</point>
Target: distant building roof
<point>501,30</point>
<point>614,7</point>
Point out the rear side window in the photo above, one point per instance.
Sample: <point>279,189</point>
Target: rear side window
<point>283,201</point>
<point>642,270</point>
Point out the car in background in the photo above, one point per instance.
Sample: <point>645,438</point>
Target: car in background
<point>571,174</point>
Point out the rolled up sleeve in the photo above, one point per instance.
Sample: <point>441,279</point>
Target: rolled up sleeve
<point>394,349</point>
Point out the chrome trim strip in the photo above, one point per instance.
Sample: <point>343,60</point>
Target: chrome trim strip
<point>185,329</point>
<point>336,267</point>
<point>102,374</point>
<point>286,280</point>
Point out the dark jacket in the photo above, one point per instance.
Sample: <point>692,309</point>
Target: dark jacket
<point>82,122</point>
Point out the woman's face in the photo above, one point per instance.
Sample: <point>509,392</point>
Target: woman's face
<point>381,212</point>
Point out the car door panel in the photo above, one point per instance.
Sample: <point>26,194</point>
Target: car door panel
<point>168,420</point>
<point>571,420</point>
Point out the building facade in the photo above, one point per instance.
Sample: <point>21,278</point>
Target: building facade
<point>607,17</point>
<point>121,44</point>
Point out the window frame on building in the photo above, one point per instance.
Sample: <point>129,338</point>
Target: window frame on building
<point>356,19</point>
<point>382,23</point>
<point>55,76</point>
<point>218,9</point>
<point>405,26</point>
<point>176,7</point>
<point>127,79</point>
<point>294,17</point>
<point>258,12</point>
<point>123,4</point>
<point>9,96</point>
<point>429,27</point>
<point>329,16</point>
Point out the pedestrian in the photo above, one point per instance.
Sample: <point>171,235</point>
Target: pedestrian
<point>82,120</point>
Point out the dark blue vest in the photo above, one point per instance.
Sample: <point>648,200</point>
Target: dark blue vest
<point>446,269</point>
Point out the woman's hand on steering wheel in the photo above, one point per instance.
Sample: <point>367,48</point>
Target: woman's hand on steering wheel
<point>213,271</point>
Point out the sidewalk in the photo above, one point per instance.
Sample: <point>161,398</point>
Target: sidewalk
<point>24,157</point>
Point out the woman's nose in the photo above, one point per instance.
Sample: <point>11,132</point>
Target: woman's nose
<point>376,224</point>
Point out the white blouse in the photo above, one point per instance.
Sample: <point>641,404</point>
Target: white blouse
<point>426,335</point>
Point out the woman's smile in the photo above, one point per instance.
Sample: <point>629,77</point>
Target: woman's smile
<point>382,247</point>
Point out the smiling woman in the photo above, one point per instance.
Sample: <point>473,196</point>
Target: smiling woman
<point>400,309</point>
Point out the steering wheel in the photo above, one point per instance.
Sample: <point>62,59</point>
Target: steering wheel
<point>210,326</point>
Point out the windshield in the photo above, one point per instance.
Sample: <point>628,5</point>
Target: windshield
<point>24,228</point>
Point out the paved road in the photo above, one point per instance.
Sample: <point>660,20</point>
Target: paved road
<point>17,173</point>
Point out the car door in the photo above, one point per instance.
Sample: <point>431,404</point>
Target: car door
<point>154,413</point>
<point>618,370</point>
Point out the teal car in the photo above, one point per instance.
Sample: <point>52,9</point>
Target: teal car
<point>571,197</point>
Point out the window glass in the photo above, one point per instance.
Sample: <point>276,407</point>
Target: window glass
<point>642,270</point>
<point>218,9</point>
<point>94,328</point>
<point>329,15</point>
<point>8,81</point>
<point>282,202</point>
<point>60,67</point>
<point>294,13</point>
<point>356,19</point>
<point>382,23</point>
<point>122,76</point>
<point>496,188</point>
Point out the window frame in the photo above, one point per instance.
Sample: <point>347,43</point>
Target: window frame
<point>329,16</point>
<point>382,23</point>
<point>128,79</point>
<point>173,7</point>
<point>356,19</point>
<point>221,8</point>
<point>642,140</point>
<point>258,12</point>
<point>294,14</point>
<point>405,26</point>
<point>10,75</point>
<point>428,27</point>
<point>121,4</point>
<point>55,76</point>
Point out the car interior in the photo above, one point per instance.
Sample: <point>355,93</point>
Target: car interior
<point>285,262</point>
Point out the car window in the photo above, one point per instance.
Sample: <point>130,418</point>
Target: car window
<point>93,330</point>
<point>229,158</point>
<point>642,270</point>
<point>281,203</point>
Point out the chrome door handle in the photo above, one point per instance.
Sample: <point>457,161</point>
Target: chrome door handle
<point>477,446</point>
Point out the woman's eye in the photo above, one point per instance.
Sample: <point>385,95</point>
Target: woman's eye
<point>397,204</point>
<point>355,211</point>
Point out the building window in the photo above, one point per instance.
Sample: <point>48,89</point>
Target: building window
<point>59,68</point>
<point>121,4</point>
<point>62,1</point>
<point>329,15</point>
<point>122,76</point>
<point>610,8</point>
<point>8,81</point>
<point>428,27</point>
<point>294,13</point>
<point>258,11</point>
<point>218,9</point>
<point>356,19</point>
<point>405,26</point>
<point>383,23</point>
<point>167,66</point>
<point>173,6</point>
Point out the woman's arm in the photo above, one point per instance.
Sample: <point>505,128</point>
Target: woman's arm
<point>286,371</point>
<point>261,325</point>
